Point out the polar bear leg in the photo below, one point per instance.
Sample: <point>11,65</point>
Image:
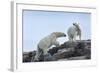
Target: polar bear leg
<point>80,36</point>
<point>39,53</point>
<point>36,56</point>
<point>70,38</point>
<point>45,51</point>
<point>74,37</point>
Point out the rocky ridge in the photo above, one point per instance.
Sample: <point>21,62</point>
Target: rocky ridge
<point>77,50</point>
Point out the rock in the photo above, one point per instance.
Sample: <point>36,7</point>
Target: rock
<point>77,50</point>
<point>77,58</point>
<point>64,53</point>
<point>28,56</point>
<point>48,57</point>
<point>53,50</point>
<point>72,49</point>
<point>83,48</point>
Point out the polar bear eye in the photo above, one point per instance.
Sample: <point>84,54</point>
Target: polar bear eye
<point>65,35</point>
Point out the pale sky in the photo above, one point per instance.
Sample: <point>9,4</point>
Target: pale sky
<point>38,24</point>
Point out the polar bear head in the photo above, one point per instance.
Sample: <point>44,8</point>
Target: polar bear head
<point>77,25</point>
<point>59,34</point>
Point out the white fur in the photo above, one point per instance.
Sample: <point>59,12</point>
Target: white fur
<point>74,31</point>
<point>48,41</point>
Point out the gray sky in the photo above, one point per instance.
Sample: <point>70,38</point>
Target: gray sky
<point>38,24</point>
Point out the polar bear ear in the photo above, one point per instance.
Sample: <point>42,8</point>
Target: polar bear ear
<point>76,24</point>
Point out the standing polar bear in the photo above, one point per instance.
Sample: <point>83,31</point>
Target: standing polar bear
<point>74,31</point>
<point>47,42</point>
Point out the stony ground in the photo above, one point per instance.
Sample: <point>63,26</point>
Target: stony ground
<point>78,50</point>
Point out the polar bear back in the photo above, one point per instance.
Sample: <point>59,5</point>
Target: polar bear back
<point>46,42</point>
<point>71,31</point>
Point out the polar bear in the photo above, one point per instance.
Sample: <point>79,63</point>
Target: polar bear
<point>74,31</point>
<point>47,42</point>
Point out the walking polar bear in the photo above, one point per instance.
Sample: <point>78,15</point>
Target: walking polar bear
<point>74,31</point>
<point>47,42</point>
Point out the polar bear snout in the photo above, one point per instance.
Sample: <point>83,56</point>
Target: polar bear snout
<point>62,35</point>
